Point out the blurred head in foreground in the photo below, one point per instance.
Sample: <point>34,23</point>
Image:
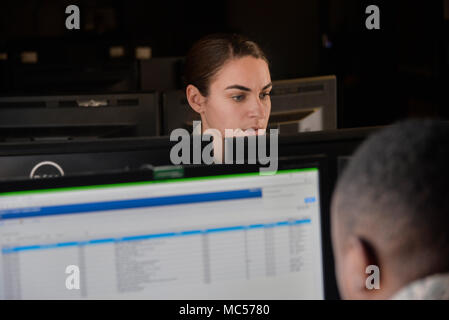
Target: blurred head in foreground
<point>390,209</point>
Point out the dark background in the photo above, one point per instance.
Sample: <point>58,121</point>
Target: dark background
<point>383,75</point>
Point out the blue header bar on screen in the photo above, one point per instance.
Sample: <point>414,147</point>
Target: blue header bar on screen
<point>130,203</point>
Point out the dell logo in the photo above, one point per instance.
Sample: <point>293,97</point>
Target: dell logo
<point>46,169</point>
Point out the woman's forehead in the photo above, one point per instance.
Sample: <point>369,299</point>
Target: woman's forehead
<point>250,72</point>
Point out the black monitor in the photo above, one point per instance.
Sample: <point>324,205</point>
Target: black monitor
<point>304,104</point>
<point>54,159</point>
<point>69,117</point>
<point>337,146</point>
<point>217,232</point>
<point>46,159</point>
<point>43,159</point>
<point>176,112</point>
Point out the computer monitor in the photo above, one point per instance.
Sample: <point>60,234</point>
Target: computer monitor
<point>214,234</point>
<point>337,145</point>
<point>47,159</point>
<point>81,116</point>
<point>304,104</point>
<point>176,112</point>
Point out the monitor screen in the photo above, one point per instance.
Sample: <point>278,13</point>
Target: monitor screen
<point>232,236</point>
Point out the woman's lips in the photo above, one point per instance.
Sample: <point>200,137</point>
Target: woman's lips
<point>252,131</point>
<point>255,131</point>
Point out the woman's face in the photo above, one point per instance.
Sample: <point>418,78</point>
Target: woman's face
<point>238,97</point>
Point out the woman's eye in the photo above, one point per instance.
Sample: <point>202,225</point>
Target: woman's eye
<point>264,95</point>
<point>238,98</point>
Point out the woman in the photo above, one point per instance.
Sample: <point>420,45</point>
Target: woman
<point>228,83</point>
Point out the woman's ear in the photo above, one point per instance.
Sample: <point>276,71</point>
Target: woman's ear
<point>195,98</point>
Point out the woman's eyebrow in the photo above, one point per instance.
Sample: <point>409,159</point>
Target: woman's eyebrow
<point>237,86</point>
<point>267,86</point>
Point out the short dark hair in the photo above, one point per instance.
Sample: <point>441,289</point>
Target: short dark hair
<point>211,52</point>
<point>397,186</point>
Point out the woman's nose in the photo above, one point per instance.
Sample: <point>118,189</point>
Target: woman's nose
<point>258,109</point>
